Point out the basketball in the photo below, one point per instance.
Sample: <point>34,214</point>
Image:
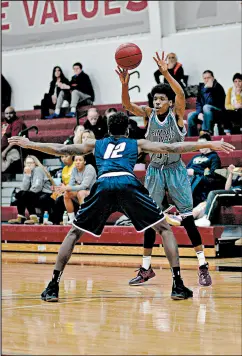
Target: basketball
<point>128,56</point>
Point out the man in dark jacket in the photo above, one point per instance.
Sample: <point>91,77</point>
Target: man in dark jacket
<point>209,105</point>
<point>201,171</point>
<point>96,123</point>
<point>81,89</point>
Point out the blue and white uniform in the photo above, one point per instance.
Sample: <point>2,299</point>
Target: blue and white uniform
<point>117,189</point>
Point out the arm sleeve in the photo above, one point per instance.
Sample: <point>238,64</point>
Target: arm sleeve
<point>38,180</point>
<point>88,178</point>
<point>228,104</point>
<point>26,182</point>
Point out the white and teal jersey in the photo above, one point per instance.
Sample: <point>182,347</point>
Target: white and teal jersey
<point>166,131</point>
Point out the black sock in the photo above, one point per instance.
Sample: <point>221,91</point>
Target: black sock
<point>176,273</point>
<point>56,276</point>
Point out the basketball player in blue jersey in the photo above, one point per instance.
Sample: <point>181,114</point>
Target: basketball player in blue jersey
<point>165,171</point>
<point>117,189</point>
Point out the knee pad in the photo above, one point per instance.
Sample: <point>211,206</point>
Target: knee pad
<point>149,238</point>
<point>192,231</point>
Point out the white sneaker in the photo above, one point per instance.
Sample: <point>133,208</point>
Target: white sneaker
<point>203,222</point>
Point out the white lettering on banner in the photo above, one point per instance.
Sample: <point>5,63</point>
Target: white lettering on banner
<point>52,21</point>
<point>113,151</point>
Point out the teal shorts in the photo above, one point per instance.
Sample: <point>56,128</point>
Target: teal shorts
<point>175,180</point>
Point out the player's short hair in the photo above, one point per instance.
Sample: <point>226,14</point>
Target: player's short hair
<point>205,136</point>
<point>118,123</point>
<point>163,89</point>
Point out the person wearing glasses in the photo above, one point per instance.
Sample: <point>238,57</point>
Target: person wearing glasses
<point>13,127</point>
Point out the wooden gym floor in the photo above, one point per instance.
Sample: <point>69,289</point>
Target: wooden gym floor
<point>99,314</point>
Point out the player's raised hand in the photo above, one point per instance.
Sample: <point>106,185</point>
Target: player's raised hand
<point>19,141</point>
<point>123,75</point>
<point>221,146</point>
<point>163,66</point>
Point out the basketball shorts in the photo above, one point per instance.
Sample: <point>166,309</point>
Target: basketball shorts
<point>119,193</point>
<point>175,180</point>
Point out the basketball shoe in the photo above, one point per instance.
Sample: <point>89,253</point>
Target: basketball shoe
<point>143,276</point>
<point>51,292</point>
<point>179,291</point>
<point>204,278</point>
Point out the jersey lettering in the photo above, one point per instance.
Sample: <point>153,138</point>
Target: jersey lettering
<point>113,151</point>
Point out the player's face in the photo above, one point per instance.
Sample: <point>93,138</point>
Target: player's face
<point>238,83</point>
<point>161,102</point>
<point>79,163</point>
<point>77,70</point>
<point>67,160</point>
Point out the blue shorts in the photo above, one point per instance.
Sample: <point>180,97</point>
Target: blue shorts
<point>120,193</point>
<point>173,178</point>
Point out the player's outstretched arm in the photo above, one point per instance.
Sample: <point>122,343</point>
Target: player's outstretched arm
<point>135,109</point>
<point>183,147</point>
<point>55,149</point>
<point>180,101</point>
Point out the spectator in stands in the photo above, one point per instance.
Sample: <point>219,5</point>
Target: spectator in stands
<point>90,159</point>
<point>209,105</point>
<point>10,154</point>
<point>96,123</point>
<point>231,195</point>
<point>233,105</point>
<point>82,179</point>
<point>35,193</point>
<point>6,93</point>
<point>109,112</point>
<point>75,138</point>
<point>174,68</point>
<point>59,206</point>
<point>201,171</point>
<point>50,99</point>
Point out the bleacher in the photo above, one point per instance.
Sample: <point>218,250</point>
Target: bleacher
<point>115,240</point>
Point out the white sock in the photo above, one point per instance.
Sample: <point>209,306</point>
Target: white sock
<point>201,258</point>
<point>146,262</point>
<point>73,109</point>
<point>57,111</point>
<point>71,216</point>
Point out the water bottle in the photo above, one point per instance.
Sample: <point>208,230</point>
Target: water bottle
<point>215,130</point>
<point>46,218</point>
<point>65,218</point>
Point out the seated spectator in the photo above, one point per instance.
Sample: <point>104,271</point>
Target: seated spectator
<point>50,99</point>
<point>75,138</point>
<point>6,93</point>
<point>209,105</point>
<point>96,123</point>
<point>90,159</point>
<point>233,105</point>
<point>35,193</point>
<point>59,206</point>
<point>82,179</point>
<point>174,68</point>
<point>231,195</point>
<point>81,90</point>
<point>201,171</point>
<point>10,154</point>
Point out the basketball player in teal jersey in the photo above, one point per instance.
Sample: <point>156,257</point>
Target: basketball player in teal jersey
<point>165,124</point>
<point>117,189</point>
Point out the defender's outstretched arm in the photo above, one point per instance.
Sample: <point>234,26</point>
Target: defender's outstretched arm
<point>55,149</point>
<point>183,147</point>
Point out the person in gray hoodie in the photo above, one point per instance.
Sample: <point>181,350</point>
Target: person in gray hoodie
<point>35,192</point>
